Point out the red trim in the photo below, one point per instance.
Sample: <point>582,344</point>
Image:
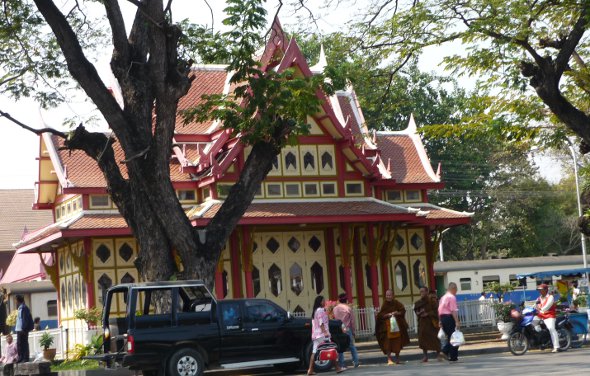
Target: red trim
<point>331,261</point>
<point>344,233</point>
<point>247,268</point>
<point>314,140</point>
<point>358,269</point>
<point>91,302</point>
<point>96,232</point>
<point>185,185</point>
<point>315,219</point>
<point>85,202</point>
<point>197,137</point>
<point>219,285</point>
<point>374,282</point>
<point>42,206</point>
<point>234,249</point>
<point>429,257</point>
<point>86,190</point>
<point>397,185</point>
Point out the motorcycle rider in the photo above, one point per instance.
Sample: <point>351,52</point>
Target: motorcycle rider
<point>546,311</point>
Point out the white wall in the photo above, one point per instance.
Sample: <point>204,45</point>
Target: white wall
<point>38,304</point>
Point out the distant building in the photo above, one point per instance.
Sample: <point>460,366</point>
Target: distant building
<point>25,274</point>
<point>471,276</point>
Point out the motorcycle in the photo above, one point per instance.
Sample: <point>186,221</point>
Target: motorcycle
<point>524,335</point>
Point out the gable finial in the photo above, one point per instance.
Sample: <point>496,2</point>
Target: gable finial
<point>389,165</point>
<point>322,62</point>
<point>412,128</point>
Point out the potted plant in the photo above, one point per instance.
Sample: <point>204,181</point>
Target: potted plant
<point>46,341</point>
<point>91,316</point>
<point>502,312</point>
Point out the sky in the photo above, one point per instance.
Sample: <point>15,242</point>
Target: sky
<point>20,148</point>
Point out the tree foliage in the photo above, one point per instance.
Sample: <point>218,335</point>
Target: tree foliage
<point>151,62</point>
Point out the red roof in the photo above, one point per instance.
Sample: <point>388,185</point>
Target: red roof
<point>406,165</point>
<point>206,81</point>
<point>83,172</point>
<point>349,115</point>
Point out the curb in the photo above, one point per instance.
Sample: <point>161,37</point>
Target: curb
<point>376,357</point>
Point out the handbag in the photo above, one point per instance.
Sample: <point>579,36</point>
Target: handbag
<point>327,351</point>
<point>457,338</point>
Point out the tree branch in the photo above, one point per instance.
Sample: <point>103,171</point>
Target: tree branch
<point>120,43</point>
<point>31,129</point>
<point>571,42</point>
<point>83,71</point>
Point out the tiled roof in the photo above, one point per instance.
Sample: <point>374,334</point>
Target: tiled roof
<point>83,172</point>
<point>16,215</point>
<point>308,208</point>
<point>406,165</point>
<point>94,221</point>
<point>207,81</point>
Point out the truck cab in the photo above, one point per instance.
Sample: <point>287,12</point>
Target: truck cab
<point>179,328</point>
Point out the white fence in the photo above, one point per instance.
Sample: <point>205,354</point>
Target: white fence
<point>471,313</point>
<point>61,340</point>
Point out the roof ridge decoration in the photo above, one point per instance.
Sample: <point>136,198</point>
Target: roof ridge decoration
<point>433,206</point>
<point>55,160</point>
<point>322,63</point>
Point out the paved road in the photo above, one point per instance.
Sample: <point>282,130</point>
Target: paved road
<point>537,363</point>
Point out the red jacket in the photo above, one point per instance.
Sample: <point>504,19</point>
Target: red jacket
<point>550,313</point>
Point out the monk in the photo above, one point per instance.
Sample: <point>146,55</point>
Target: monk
<point>391,308</point>
<point>427,312</point>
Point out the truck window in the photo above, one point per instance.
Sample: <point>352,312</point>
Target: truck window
<point>153,307</point>
<point>262,312</point>
<point>230,314</point>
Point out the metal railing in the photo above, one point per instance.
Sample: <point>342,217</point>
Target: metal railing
<point>471,313</point>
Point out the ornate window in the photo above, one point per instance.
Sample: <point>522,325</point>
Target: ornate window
<point>416,241</point>
<point>393,196</point>
<point>401,276</point>
<point>99,201</point>
<point>187,195</point>
<point>125,252</point>
<point>317,277</point>
<point>419,271</point>
<point>413,196</point>
<point>354,189</point>
<point>296,278</point>
<point>293,244</point>
<point>311,189</point>
<point>314,243</point>
<point>256,280</point>
<point>329,189</point>
<point>292,190</point>
<point>274,190</point>
<point>103,252</point>
<point>273,245</point>
<point>275,280</point>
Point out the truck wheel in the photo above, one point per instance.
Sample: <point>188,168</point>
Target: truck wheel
<point>319,366</point>
<point>186,362</point>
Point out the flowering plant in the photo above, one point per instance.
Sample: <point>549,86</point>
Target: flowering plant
<point>502,311</point>
<point>330,304</point>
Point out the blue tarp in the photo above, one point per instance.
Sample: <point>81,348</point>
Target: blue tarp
<point>551,273</point>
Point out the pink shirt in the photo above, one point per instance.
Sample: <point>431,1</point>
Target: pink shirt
<point>447,304</point>
<point>320,317</point>
<point>10,355</point>
<point>343,312</point>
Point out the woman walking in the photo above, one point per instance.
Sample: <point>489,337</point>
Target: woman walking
<point>391,342</point>
<point>426,311</point>
<point>320,331</point>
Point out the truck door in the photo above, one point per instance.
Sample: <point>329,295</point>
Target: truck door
<point>266,324</point>
<point>235,341</point>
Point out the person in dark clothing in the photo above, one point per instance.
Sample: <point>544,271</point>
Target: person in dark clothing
<point>4,330</point>
<point>24,324</point>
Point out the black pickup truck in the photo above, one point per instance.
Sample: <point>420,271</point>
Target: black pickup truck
<point>178,328</point>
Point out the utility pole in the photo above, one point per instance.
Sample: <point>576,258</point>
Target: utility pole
<point>582,237</point>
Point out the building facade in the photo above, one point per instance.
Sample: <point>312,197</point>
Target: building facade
<point>343,210</point>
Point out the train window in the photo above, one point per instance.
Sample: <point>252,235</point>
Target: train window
<point>490,278</point>
<point>51,308</point>
<point>465,283</point>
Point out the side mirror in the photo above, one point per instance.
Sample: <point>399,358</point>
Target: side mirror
<point>289,316</point>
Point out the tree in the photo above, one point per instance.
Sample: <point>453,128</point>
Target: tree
<point>152,65</point>
<point>517,213</point>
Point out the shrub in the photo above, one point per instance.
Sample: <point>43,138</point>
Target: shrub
<point>502,311</point>
<point>91,316</point>
<point>11,319</point>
